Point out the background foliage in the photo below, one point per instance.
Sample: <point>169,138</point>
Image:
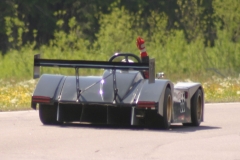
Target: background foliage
<point>196,38</point>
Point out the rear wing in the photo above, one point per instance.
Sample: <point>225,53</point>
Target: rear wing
<point>93,64</point>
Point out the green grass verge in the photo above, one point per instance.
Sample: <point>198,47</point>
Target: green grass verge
<point>222,90</point>
<point>16,95</point>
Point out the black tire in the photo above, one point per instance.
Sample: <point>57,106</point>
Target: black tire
<point>48,114</point>
<point>197,108</point>
<point>167,109</point>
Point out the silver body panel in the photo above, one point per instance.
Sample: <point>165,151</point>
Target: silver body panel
<point>182,104</point>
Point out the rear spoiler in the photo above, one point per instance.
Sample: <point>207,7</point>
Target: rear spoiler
<point>93,64</point>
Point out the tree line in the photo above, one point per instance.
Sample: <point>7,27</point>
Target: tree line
<point>187,38</point>
<point>24,21</point>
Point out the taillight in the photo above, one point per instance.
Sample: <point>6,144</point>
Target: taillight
<point>41,99</point>
<point>146,104</point>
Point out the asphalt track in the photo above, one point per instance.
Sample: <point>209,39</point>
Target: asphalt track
<point>23,137</point>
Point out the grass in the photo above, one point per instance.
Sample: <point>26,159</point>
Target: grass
<point>222,90</point>
<point>17,95</point>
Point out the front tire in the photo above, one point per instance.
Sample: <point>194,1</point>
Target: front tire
<point>48,114</point>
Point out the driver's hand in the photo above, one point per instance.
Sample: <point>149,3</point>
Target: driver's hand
<point>140,43</point>
<point>141,46</point>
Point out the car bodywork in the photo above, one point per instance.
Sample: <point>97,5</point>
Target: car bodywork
<point>121,95</point>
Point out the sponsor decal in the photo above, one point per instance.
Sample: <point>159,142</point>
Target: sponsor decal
<point>182,103</point>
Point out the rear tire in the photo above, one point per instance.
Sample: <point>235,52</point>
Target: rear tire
<point>48,114</point>
<point>167,109</point>
<point>197,108</point>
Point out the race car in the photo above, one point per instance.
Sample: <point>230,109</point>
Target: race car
<point>121,95</point>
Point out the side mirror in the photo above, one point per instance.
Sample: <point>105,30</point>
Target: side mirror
<point>160,75</point>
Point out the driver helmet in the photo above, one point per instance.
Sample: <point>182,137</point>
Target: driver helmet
<point>125,61</point>
<point>129,61</point>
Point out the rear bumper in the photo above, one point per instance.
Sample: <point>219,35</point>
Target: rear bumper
<point>100,114</point>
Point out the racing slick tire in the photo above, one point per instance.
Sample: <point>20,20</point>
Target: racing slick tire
<point>48,114</point>
<point>167,109</point>
<point>196,109</point>
<point>154,119</point>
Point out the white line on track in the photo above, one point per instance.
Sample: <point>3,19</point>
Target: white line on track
<point>224,103</point>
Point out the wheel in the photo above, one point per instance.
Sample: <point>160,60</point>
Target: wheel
<point>48,114</point>
<point>154,119</point>
<point>197,108</point>
<point>167,109</point>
